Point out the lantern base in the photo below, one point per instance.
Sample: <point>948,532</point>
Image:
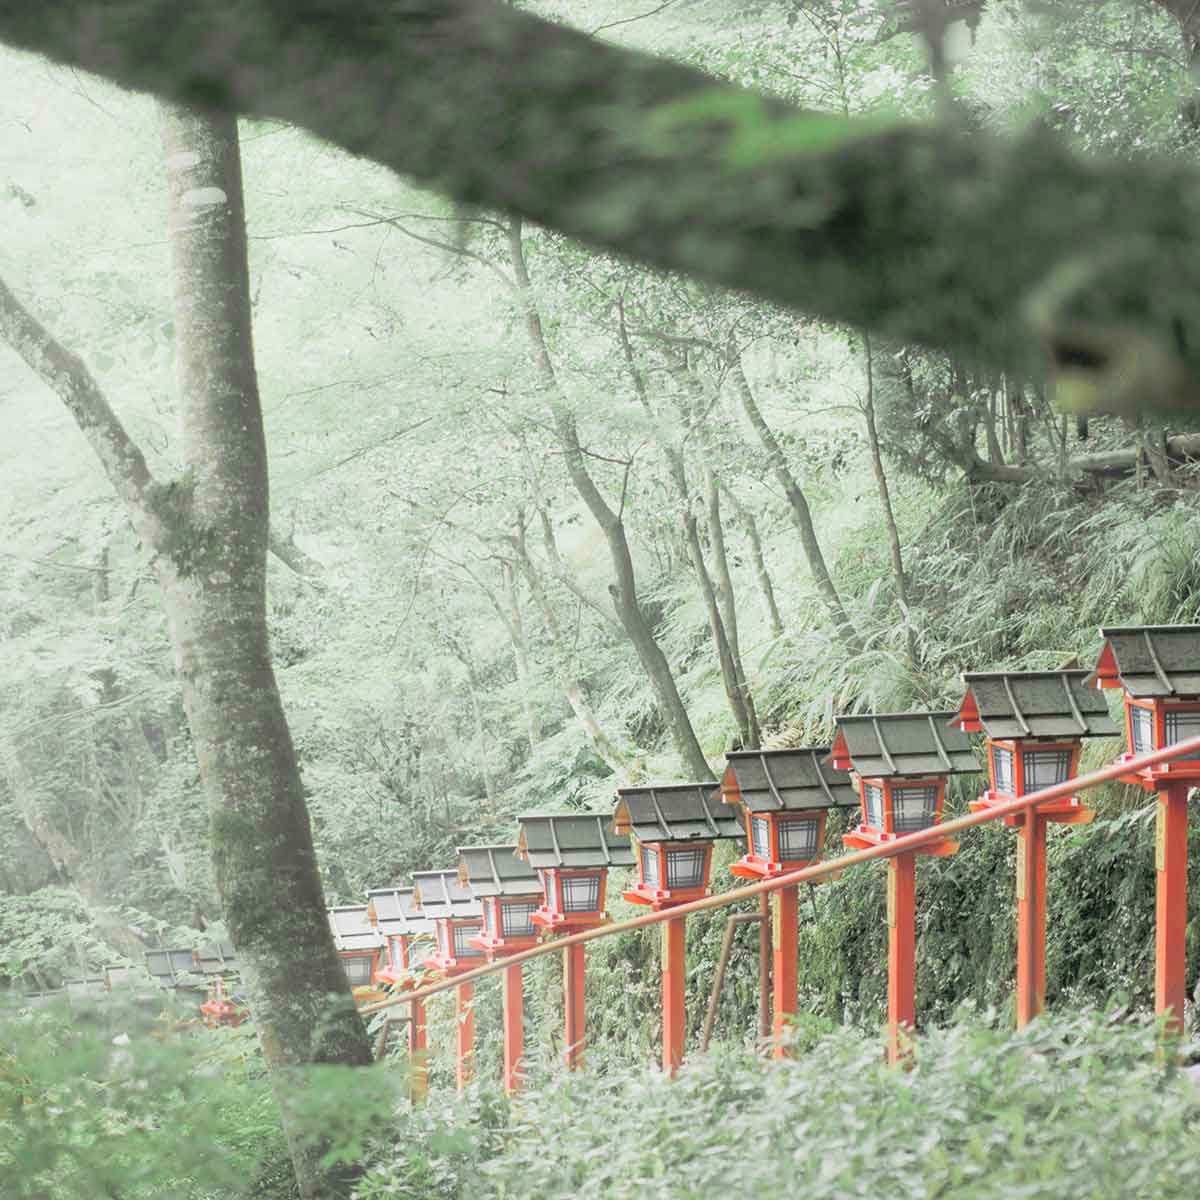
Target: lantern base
<point>750,866</point>
<point>223,1012</point>
<point>864,837</point>
<point>553,921</point>
<point>1186,771</point>
<point>658,899</point>
<point>1066,810</point>
<point>494,948</point>
<point>454,966</point>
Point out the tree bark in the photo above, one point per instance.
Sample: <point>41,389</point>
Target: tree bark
<point>732,681</point>
<point>572,687</point>
<point>1088,265</point>
<point>209,531</point>
<point>885,501</point>
<point>624,590</point>
<point>800,512</point>
<point>765,587</point>
<point>516,630</point>
<point>727,601</point>
<point>213,564</point>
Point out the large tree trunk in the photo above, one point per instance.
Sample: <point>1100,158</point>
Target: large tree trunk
<point>624,590</point>
<point>213,569</point>
<point>800,512</point>
<point>208,531</point>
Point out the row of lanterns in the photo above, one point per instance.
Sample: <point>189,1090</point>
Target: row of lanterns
<point>891,768</point>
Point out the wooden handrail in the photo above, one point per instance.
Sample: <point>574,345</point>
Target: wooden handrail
<point>822,870</point>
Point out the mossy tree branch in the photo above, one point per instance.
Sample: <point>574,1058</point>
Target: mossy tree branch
<point>1023,254</point>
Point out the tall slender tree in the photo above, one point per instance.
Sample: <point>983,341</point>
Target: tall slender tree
<point>208,533</point>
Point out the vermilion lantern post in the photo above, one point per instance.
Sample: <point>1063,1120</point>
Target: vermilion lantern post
<point>572,854</point>
<point>784,796</point>
<point>673,830</point>
<point>1158,668</point>
<point>407,931</point>
<point>1033,721</point>
<point>360,947</point>
<point>457,918</point>
<point>901,762</point>
<point>510,892</point>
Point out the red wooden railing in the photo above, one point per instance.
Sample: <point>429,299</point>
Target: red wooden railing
<point>1171,914</point>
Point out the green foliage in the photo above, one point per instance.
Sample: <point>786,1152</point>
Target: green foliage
<point>1073,1106</point>
<point>116,1102</point>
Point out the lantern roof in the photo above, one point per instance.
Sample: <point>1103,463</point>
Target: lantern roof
<point>1021,704</point>
<point>678,812</point>
<point>352,928</point>
<point>570,841</point>
<point>396,911</point>
<point>216,958</point>
<point>1150,660</point>
<point>496,871</point>
<point>786,781</point>
<point>896,745</point>
<point>168,965</point>
<point>88,986</point>
<point>439,894</point>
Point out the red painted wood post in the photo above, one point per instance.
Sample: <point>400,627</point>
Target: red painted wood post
<point>514,1028</point>
<point>418,1050</point>
<point>1171,907</point>
<point>1031,917</point>
<point>902,954</point>
<point>573,1002</point>
<point>765,954</point>
<point>674,966</point>
<point>785,935</point>
<point>464,1065</point>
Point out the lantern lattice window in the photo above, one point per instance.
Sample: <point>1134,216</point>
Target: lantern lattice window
<point>1002,770</point>
<point>462,941</point>
<point>1044,768</point>
<point>760,834</point>
<point>516,919</point>
<point>358,969</point>
<point>873,802</point>
<point>649,857</point>
<point>581,893</point>
<point>913,808</point>
<point>685,868</point>
<point>1141,724</point>
<point>798,838</point>
<point>1181,725</point>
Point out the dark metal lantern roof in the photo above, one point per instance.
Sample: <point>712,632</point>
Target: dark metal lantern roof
<point>1024,704</point>
<point>352,928</point>
<point>216,958</point>
<point>497,871</point>
<point>898,745</point>
<point>682,812</point>
<point>440,894</point>
<point>786,781</point>
<point>396,912</point>
<point>571,841</point>
<point>172,967</point>
<point>1151,660</point>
